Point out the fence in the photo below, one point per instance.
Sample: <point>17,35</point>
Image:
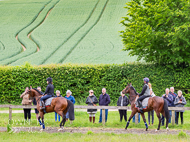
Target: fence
<point>96,107</point>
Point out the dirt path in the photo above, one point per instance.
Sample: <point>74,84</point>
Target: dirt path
<point>94,130</point>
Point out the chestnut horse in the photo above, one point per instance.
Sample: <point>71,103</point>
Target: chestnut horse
<point>59,105</point>
<point>158,104</point>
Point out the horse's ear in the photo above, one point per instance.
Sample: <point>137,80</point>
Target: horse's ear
<point>127,83</point>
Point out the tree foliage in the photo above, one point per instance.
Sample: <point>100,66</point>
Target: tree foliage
<point>158,31</point>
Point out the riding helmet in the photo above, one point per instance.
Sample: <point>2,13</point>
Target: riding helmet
<point>146,79</point>
<point>49,79</point>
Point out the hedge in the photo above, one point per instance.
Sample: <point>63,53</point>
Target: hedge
<point>81,78</point>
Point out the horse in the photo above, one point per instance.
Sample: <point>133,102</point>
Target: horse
<point>59,105</point>
<point>158,104</point>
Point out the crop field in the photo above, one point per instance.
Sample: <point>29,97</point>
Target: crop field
<point>62,31</point>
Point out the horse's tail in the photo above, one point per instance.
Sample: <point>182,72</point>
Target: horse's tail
<point>167,114</point>
<point>70,109</point>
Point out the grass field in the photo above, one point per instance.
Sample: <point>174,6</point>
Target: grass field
<point>74,31</point>
<point>82,120</point>
<point>103,137</point>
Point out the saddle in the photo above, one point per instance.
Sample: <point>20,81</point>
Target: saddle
<point>48,101</point>
<point>144,103</point>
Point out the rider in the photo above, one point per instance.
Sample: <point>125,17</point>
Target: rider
<point>48,93</point>
<point>144,94</point>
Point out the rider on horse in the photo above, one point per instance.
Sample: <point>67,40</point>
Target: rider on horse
<point>144,94</point>
<point>48,93</point>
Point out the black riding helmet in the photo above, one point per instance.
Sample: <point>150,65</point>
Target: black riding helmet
<point>49,79</point>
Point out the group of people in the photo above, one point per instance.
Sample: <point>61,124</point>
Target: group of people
<point>172,98</point>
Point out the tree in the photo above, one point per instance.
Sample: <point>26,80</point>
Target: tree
<point>158,31</point>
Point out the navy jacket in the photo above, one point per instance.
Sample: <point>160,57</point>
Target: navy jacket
<point>49,89</point>
<point>174,95</point>
<point>104,100</point>
<point>169,99</point>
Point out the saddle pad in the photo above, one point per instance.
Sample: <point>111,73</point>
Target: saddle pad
<point>144,102</point>
<point>48,101</point>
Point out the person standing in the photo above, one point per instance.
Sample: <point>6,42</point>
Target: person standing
<point>179,102</point>
<point>104,100</point>
<point>123,101</point>
<point>26,101</point>
<point>174,95</point>
<point>91,101</point>
<point>151,113</point>
<point>57,95</point>
<point>48,93</point>
<point>70,98</point>
<point>168,97</point>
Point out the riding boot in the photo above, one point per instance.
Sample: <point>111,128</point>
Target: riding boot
<point>43,105</point>
<point>93,119</point>
<point>140,106</point>
<point>90,118</point>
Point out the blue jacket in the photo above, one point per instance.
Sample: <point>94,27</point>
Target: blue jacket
<point>174,95</point>
<point>104,100</point>
<point>70,98</point>
<point>169,99</point>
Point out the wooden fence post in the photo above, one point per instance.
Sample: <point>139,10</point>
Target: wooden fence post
<point>136,118</point>
<point>173,117</point>
<point>103,117</point>
<point>10,115</point>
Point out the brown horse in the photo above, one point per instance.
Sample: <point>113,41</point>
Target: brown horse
<point>59,105</point>
<point>158,104</point>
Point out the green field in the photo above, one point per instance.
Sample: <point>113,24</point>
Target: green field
<point>82,120</point>
<point>74,31</point>
<point>103,137</point>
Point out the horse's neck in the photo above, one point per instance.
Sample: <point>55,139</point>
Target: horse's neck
<point>132,96</point>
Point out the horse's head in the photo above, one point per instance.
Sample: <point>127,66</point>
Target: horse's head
<point>31,93</point>
<point>127,89</point>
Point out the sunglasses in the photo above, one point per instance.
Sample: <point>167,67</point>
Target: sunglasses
<point>91,92</point>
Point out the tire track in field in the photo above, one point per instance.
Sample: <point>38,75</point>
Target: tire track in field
<point>24,48</point>
<point>62,60</point>
<point>29,34</point>
<point>11,59</point>
<point>2,45</point>
<point>73,33</point>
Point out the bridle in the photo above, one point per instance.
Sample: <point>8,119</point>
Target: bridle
<point>130,101</point>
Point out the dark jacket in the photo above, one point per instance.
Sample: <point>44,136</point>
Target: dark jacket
<point>169,99</point>
<point>89,102</point>
<point>49,89</point>
<point>104,100</point>
<point>125,101</point>
<point>174,95</point>
<point>177,99</point>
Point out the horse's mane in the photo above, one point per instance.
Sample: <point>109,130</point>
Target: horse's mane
<point>37,91</point>
<point>133,89</point>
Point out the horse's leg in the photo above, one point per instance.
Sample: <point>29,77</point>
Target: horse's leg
<point>39,120</point>
<point>144,119</point>
<point>42,117</point>
<point>167,120</point>
<point>63,120</point>
<point>159,119</point>
<point>132,114</point>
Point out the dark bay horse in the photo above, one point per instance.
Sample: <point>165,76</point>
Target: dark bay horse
<point>58,104</point>
<point>158,104</point>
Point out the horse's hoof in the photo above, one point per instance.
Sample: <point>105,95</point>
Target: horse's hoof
<point>125,128</point>
<point>146,129</point>
<point>167,129</point>
<point>156,130</point>
<point>60,129</point>
<point>41,130</point>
